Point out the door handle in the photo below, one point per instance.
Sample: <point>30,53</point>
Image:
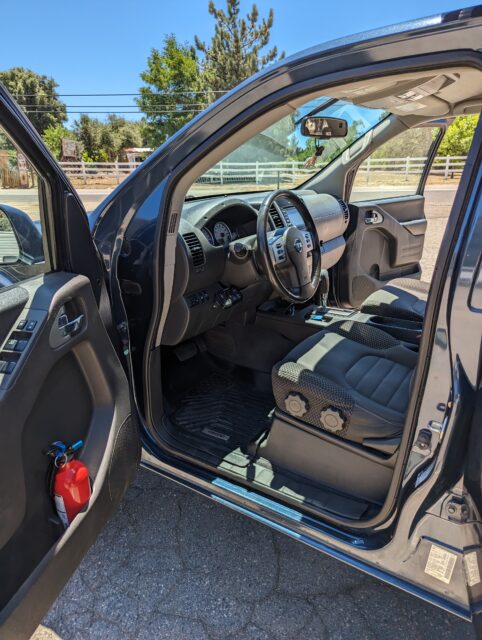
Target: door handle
<point>373,217</point>
<point>70,327</point>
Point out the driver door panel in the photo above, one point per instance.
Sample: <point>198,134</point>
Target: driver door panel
<point>61,388</point>
<point>385,241</point>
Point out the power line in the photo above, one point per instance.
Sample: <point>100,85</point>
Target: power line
<point>89,95</point>
<point>114,106</point>
<point>149,111</point>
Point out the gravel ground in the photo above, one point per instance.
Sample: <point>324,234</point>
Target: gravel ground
<point>175,565</point>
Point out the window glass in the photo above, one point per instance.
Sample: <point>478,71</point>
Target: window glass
<point>21,247</point>
<point>394,169</point>
<point>280,156</point>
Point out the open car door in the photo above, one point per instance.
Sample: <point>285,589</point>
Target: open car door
<point>60,377</point>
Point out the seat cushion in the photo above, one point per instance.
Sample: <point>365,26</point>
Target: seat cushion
<point>352,380</point>
<point>403,298</point>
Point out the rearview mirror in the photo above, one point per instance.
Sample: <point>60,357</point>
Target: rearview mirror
<point>9,247</point>
<point>323,128</point>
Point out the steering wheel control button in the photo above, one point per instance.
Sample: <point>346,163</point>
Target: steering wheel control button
<point>278,252</point>
<point>332,420</point>
<point>308,240</point>
<point>296,404</point>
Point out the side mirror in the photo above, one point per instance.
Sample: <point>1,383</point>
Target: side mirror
<point>323,128</point>
<point>20,237</point>
<point>9,247</point>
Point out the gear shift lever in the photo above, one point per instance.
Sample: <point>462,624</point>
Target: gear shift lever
<point>322,292</point>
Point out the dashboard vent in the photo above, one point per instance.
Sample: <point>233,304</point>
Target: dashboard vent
<point>276,217</point>
<point>195,249</point>
<point>344,208</point>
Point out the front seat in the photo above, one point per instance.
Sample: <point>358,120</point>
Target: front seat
<point>403,298</point>
<point>351,380</point>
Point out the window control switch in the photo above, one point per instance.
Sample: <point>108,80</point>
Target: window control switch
<point>7,366</point>
<point>31,324</point>
<point>21,344</point>
<point>11,344</point>
<point>21,325</point>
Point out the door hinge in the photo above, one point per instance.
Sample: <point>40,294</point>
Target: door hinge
<point>429,437</point>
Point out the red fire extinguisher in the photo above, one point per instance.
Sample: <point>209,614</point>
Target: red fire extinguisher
<point>69,482</point>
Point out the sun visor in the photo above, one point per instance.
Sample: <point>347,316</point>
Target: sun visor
<point>412,96</point>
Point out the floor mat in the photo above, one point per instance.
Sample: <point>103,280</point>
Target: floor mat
<point>221,415</point>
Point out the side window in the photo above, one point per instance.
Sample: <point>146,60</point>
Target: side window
<point>394,169</point>
<point>21,246</point>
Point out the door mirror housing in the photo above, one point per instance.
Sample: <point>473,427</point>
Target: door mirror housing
<point>20,237</point>
<point>323,128</point>
<point>9,246</point>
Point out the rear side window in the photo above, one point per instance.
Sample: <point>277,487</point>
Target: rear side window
<point>394,170</point>
<point>21,244</point>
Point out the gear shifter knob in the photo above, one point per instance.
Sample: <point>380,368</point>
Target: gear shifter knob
<point>324,282</point>
<point>323,290</point>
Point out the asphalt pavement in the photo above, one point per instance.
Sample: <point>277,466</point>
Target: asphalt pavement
<point>175,565</point>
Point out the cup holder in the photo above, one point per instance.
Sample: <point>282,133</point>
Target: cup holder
<point>407,330</point>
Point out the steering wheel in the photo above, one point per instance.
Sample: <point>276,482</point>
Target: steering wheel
<point>290,257</point>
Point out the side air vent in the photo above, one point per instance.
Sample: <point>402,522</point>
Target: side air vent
<point>195,249</point>
<point>276,217</point>
<point>344,208</point>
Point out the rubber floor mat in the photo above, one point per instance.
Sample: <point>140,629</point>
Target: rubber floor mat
<point>222,414</point>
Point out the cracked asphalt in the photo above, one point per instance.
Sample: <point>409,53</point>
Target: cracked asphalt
<point>174,565</point>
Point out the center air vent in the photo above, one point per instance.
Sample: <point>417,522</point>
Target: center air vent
<point>344,208</point>
<point>195,249</point>
<point>276,217</point>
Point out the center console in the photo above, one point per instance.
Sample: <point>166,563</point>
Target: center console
<point>298,322</point>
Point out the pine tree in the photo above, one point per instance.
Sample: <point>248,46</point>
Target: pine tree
<point>169,97</point>
<point>236,48</point>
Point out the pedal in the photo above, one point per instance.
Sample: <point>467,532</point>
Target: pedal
<point>186,351</point>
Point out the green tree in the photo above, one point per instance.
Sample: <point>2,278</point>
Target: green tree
<point>53,136</point>
<point>170,96</point>
<point>103,141</point>
<point>125,133</point>
<point>459,135</point>
<point>37,96</point>
<point>88,131</point>
<point>236,48</point>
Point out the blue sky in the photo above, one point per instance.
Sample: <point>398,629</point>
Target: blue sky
<point>101,46</point>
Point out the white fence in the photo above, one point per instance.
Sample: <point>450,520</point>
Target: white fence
<point>270,172</point>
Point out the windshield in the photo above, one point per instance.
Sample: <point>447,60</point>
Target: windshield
<point>280,156</point>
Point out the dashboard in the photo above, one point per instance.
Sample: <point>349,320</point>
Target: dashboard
<point>217,275</point>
